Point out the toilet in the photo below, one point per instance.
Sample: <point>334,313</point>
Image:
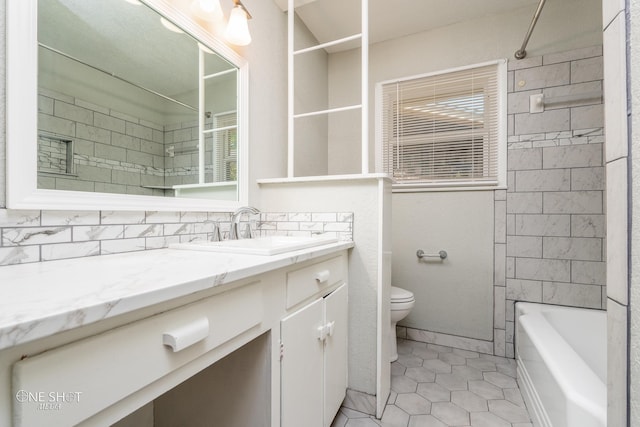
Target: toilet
<point>402,302</point>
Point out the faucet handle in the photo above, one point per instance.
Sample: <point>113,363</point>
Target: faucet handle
<point>248,232</point>
<point>216,237</point>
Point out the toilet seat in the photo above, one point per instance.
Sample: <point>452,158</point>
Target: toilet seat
<point>399,295</point>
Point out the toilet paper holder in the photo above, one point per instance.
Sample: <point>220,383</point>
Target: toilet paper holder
<point>420,254</point>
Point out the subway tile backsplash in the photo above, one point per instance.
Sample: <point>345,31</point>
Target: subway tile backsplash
<point>33,236</point>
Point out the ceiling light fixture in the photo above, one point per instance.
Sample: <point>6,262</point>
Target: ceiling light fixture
<point>237,31</point>
<point>208,10</point>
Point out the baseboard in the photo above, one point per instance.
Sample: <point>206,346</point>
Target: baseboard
<point>454,341</point>
<point>360,401</point>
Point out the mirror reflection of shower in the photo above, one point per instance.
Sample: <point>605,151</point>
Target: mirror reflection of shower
<point>119,102</point>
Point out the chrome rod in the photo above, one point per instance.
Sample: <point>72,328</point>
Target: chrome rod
<point>80,61</point>
<point>420,254</point>
<point>521,53</point>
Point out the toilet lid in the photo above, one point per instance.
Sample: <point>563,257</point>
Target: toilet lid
<point>401,295</point>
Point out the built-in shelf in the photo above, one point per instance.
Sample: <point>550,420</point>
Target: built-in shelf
<point>363,37</point>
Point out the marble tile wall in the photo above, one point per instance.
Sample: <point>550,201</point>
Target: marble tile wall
<point>555,216</point>
<point>34,236</point>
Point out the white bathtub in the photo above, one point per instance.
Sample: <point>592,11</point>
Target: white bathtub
<point>561,354</point>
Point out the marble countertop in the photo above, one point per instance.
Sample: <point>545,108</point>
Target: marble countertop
<point>41,299</point>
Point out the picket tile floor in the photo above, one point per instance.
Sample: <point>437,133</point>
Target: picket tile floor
<point>436,386</point>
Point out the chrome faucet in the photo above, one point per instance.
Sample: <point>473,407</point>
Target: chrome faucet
<point>235,220</point>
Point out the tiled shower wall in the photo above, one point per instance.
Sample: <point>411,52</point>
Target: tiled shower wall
<point>555,218</point>
<point>115,152</point>
<point>33,236</point>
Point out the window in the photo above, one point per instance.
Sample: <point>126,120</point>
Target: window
<point>225,148</point>
<point>444,129</point>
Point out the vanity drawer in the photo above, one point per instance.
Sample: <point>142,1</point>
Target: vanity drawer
<point>309,281</point>
<point>80,379</point>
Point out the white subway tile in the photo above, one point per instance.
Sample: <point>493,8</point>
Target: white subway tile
<point>523,290</point>
<point>543,180</point>
<point>576,295</point>
<point>543,225</point>
<point>543,269</point>
<point>97,232</point>
<point>574,202</point>
<point>19,218</point>
<point>574,248</point>
<point>524,246</point>
<point>70,250</point>
<point>589,272</point>
<point>524,203</point>
<point>121,245</point>
<point>122,217</point>
<point>572,55</point>
<point>324,216</point>
<point>70,217</point>
<point>588,226</point>
<point>142,230</point>
<point>544,76</point>
<point>177,229</point>
<point>35,235</point>
<point>585,70</point>
<point>19,254</point>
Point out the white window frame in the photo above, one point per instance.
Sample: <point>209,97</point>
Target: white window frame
<point>500,183</point>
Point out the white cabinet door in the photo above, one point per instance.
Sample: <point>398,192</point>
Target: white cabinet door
<point>335,352</point>
<point>314,365</point>
<point>302,366</point>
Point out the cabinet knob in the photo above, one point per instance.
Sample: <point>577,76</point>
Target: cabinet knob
<point>322,332</point>
<point>330,326</point>
<point>323,276</point>
<point>189,334</point>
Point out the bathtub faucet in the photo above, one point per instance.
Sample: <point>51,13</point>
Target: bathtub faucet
<point>235,220</point>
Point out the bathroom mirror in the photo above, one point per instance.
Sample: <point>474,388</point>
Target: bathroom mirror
<point>122,104</point>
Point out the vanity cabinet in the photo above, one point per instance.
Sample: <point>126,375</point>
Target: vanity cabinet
<point>203,355</point>
<point>314,348</point>
<point>80,375</point>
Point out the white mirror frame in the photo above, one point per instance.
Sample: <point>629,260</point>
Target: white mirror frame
<point>22,124</point>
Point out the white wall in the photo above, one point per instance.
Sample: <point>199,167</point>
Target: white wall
<point>454,296</point>
<point>311,71</point>
<point>634,303</point>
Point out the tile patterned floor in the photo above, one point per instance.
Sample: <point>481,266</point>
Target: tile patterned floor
<point>435,386</point>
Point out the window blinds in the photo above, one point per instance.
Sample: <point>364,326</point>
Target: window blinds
<point>225,151</point>
<point>442,129</point>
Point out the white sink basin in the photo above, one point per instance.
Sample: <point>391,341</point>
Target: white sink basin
<point>271,245</point>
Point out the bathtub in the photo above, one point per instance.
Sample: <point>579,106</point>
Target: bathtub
<point>561,355</point>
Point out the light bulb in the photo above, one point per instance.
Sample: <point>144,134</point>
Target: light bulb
<point>237,31</point>
<point>209,10</point>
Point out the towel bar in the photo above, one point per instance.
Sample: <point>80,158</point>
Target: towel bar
<point>420,254</point>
